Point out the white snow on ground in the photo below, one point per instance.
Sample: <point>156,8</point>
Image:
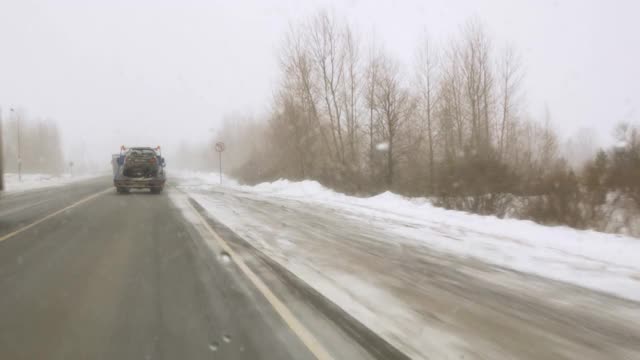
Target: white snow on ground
<point>37,181</point>
<point>366,255</point>
<point>600,261</point>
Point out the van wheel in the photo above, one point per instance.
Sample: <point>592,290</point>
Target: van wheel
<point>122,190</point>
<point>156,190</point>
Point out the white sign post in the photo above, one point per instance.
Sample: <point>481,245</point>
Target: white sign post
<point>220,149</point>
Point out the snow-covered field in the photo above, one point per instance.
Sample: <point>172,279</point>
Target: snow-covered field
<point>423,276</point>
<point>37,181</point>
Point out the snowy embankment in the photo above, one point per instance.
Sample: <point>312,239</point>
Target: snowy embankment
<point>36,181</point>
<point>600,261</point>
<point>407,270</point>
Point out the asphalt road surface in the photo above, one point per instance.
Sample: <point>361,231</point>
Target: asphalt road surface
<point>86,273</point>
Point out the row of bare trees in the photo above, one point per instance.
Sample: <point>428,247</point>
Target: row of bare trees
<point>349,114</point>
<point>451,125</point>
<point>39,147</point>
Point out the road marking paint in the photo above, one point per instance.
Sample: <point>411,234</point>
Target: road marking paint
<point>294,324</point>
<point>27,227</point>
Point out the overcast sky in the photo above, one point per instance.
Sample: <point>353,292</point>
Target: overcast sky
<point>158,72</point>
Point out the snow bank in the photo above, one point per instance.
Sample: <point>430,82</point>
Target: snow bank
<point>373,257</point>
<point>600,261</point>
<point>37,181</point>
<point>202,180</point>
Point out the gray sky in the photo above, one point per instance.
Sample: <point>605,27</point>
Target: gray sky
<point>113,72</point>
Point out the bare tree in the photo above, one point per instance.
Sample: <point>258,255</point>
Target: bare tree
<point>392,100</point>
<point>451,110</point>
<point>474,53</point>
<point>427,77</point>
<point>549,144</point>
<point>327,51</point>
<point>351,94</point>
<point>510,80</point>
<point>371,75</point>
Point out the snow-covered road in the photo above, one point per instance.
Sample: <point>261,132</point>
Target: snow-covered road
<point>444,284</point>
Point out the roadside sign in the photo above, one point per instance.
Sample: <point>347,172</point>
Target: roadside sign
<point>220,149</point>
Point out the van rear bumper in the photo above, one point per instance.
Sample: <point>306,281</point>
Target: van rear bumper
<point>139,183</point>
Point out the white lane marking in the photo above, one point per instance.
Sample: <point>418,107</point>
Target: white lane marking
<point>27,227</point>
<point>294,324</point>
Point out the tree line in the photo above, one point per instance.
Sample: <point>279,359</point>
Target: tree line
<point>40,145</point>
<point>451,126</point>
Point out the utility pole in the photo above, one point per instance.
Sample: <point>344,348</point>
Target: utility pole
<point>19,145</point>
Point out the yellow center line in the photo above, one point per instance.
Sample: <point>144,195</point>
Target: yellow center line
<point>294,324</point>
<point>27,227</point>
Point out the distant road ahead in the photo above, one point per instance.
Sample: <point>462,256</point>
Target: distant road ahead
<point>124,277</point>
